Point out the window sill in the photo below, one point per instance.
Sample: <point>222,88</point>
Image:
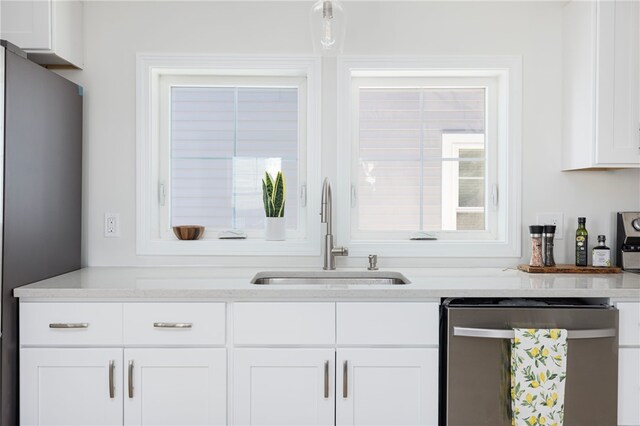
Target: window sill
<point>436,248</point>
<point>216,247</point>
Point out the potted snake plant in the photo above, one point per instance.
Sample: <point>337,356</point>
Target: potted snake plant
<point>274,191</point>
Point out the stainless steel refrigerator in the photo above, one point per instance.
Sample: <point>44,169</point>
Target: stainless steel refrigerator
<point>41,184</point>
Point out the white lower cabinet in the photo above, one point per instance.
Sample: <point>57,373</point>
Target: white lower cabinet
<point>101,387</point>
<point>177,378</point>
<point>387,387</point>
<point>629,387</point>
<point>175,387</point>
<point>67,387</point>
<point>629,364</point>
<point>367,386</point>
<point>283,387</point>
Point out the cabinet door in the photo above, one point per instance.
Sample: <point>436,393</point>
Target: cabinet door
<point>70,386</point>
<point>618,127</point>
<point>283,387</point>
<point>387,387</point>
<point>26,23</point>
<point>629,387</point>
<point>175,387</point>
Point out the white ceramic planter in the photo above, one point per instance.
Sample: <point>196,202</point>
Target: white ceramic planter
<point>275,229</point>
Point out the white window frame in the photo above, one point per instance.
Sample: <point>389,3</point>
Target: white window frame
<point>151,237</point>
<point>504,199</point>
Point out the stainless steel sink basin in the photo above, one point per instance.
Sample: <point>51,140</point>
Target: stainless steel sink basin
<point>330,277</point>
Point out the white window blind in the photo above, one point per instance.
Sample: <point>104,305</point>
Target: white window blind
<point>410,177</point>
<point>222,141</point>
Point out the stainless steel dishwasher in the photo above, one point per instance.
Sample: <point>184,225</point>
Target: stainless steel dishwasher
<point>475,342</point>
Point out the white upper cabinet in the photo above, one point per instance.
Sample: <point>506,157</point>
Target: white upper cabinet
<point>601,50</point>
<point>50,31</point>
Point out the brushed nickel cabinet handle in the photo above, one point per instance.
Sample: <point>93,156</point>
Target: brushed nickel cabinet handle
<point>131,379</point>
<point>345,379</point>
<point>69,325</point>
<point>172,324</point>
<point>326,379</point>
<point>112,386</point>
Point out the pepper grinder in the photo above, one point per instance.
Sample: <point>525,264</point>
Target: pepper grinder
<point>548,232</point>
<point>536,245</point>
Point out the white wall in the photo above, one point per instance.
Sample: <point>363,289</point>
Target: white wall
<point>115,31</point>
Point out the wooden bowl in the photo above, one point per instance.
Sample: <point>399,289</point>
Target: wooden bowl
<point>188,232</point>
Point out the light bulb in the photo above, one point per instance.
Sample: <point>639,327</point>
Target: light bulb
<point>328,40</point>
<point>327,27</point>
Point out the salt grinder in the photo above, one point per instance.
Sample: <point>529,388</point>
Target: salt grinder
<point>536,245</point>
<point>548,233</point>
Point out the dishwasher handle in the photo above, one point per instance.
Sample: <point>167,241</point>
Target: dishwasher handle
<point>489,333</point>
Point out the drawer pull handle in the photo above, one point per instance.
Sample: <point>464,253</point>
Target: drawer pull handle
<point>345,379</point>
<point>172,324</point>
<point>131,379</point>
<point>69,325</point>
<point>112,385</point>
<point>326,379</point>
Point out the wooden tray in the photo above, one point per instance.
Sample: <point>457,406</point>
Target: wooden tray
<point>570,269</point>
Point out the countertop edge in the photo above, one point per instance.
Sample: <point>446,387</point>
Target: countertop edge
<point>298,294</point>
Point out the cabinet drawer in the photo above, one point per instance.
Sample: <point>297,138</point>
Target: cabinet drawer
<point>169,324</point>
<point>63,324</point>
<point>284,323</point>
<point>629,323</point>
<point>388,323</point>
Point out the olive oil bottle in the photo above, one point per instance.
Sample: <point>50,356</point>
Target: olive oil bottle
<point>582,242</point>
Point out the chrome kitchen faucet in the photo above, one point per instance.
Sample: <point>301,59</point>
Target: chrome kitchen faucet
<point>330,252</point>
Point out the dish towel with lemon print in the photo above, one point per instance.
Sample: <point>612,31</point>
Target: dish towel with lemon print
<point>538,376</point>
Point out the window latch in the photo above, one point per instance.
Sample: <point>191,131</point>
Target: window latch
<point>494,195</point>
<point>353,196</point>
<point>161,194</point>
<point>303,196</point>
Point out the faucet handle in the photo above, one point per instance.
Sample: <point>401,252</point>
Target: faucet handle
<point>373,262</point>
<point>340,251</point>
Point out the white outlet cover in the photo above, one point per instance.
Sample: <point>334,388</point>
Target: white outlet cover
<point>111,225</point>
<point>556,219</point>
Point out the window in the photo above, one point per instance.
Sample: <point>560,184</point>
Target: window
<point>215,125</point>
<point>430,149</point>
<point>222,135</point>
<point>408,162</point>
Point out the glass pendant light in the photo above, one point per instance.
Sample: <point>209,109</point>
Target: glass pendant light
<point>327,27</point>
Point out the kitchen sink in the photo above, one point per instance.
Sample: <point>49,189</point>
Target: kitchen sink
<point>330,277</point>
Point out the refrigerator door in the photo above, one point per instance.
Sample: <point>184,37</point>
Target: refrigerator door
<point>477,373</point>
<point>2,120</point>
<point>2,53</point>
<point>42,183</point>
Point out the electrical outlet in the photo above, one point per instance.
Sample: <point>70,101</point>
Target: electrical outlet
<point>111,225</point>
<point>556,219</point>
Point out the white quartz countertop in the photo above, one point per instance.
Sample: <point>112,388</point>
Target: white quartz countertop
<point>185,283</point>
